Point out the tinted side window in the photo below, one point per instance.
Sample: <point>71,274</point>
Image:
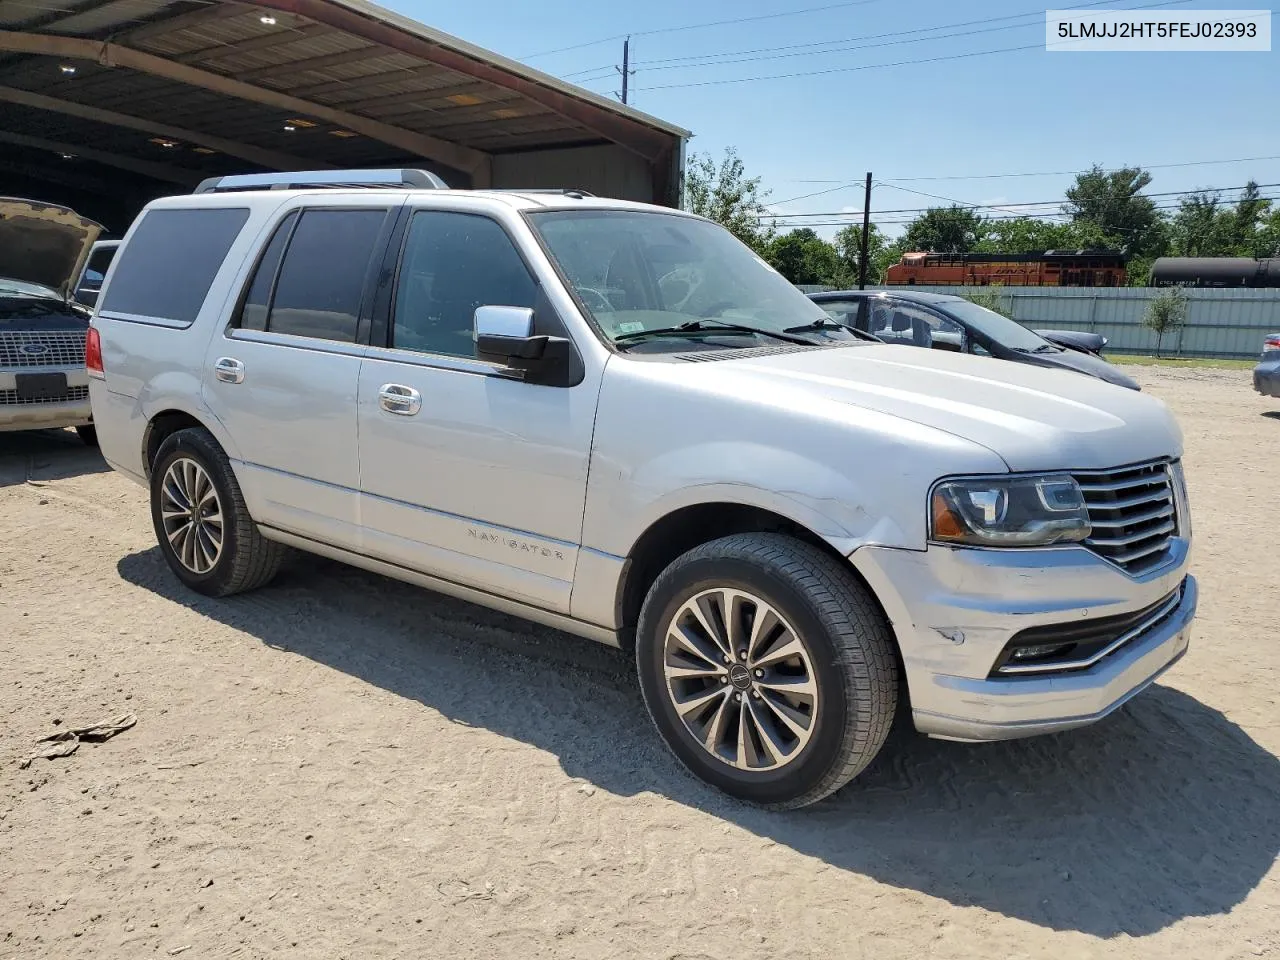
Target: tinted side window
<point>170,262</point>
<point>322,278</point>
<point>253,312</point>
<point>453,263</point>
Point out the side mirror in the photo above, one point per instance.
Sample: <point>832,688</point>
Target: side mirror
<point>505,336</point>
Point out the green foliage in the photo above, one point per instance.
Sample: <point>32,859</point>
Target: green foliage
<point>724,193</point>
<point>1205,226</point>
<point>1033,235</point>
<point>1111,203</point>
<point>953,229</point>
<point>848,246</point>
<point>804,257</point>
<point>1166,311</point>
<point>990,297</point>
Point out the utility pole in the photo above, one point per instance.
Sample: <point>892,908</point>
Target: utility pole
<point>866,236</point>
<point>626,66</point>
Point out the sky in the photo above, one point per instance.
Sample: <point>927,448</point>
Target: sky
<point>958,127</point>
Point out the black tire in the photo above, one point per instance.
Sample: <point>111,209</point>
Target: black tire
<point>848,640</point>
<point>247,559</point>
<point>89,434</point>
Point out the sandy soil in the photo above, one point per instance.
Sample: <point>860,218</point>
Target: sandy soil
<point>342,766</point>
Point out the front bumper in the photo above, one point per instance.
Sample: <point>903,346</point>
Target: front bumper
<point>954,610</point>
<point>73,411</point>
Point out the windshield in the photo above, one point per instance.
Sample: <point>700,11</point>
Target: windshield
<point>1008,333</point>
<point>637,271</point>
<point>20,288</point>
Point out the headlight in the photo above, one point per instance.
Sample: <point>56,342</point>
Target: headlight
<point>1008,512</point>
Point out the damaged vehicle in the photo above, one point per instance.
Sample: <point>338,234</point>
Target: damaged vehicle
<point>43,382</point>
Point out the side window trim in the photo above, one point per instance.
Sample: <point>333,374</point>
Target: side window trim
<point>237,315</point>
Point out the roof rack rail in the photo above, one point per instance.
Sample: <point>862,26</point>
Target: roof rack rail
<point>324,179</point>
<point>561,191</point>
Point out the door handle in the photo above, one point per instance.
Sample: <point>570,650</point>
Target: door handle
<point>394,398</point>
<point>228,370</point>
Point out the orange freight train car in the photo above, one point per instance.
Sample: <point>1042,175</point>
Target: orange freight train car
<point>1053,268</point>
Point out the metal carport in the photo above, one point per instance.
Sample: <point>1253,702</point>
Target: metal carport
<point>105,104</point>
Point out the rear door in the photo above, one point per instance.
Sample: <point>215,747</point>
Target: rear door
<point>282,376</point>
<point>467,473</point>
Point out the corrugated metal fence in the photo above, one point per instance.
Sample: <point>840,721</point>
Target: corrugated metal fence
<point>1220,323</point>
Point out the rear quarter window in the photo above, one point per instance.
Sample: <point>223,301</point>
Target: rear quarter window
<point>169,263</point>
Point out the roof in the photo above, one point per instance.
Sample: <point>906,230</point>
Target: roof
<point>179,90</point>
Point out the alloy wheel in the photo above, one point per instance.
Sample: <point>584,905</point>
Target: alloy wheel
<point>192,515</point>
<point>740,679</point>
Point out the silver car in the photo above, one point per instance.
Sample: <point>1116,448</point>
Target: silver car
<point>616,419</point>
<point>43,382</point>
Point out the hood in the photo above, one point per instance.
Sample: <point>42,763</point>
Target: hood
<point>44,243</point>
<point>1088,363</point>
<point>1034,418</point>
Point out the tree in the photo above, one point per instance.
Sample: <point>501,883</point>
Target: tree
<point>1202,227</point>
<point>848,246</point>
<point>1033,235</point>
<point>724,193</point>
<point>1251,210</point>
<point>953,229</point>
<point>1166,311</point>
<point>804,257</point>
<point>1112,203</point>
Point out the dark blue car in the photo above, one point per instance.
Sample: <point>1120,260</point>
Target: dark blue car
<point>946,322</point>
<point>1266,375</point>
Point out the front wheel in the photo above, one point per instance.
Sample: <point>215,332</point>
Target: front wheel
<point>767,667</point>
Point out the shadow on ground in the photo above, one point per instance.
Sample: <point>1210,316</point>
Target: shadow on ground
<point>1163,811</point>
<point>1271,414</point>
<point>46,455</point>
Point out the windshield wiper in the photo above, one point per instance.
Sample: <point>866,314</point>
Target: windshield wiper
<point>709,326</point>
<point>826,323</point>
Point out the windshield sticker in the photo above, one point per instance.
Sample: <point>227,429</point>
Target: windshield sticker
<point>630,326</point>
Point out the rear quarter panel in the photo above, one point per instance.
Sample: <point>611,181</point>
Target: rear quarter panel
<point>153,366</point>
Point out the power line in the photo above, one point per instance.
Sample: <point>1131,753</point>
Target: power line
<point>901,222</point>
<point>1009,206</point>
<point>878,66</point>
<point>701,26</point>
<point>1043,173</point>
<point>870,36</point>
<point>808,51</point>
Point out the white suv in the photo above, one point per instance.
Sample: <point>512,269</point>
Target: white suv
<point>616,419</point>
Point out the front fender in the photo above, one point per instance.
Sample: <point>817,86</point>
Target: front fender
<point>622,504</point>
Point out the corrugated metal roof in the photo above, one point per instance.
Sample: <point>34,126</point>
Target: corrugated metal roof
<point>211,70</point>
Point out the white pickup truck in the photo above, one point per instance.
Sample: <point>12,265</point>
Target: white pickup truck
<point>616,419</point>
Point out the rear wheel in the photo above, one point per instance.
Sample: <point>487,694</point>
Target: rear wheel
<point>767,667</point>
<point>201,522</point>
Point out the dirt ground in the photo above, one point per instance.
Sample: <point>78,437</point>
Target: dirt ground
<point>340,766</point>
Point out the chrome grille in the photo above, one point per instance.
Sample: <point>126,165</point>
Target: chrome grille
<point>60,348</point>
<point>72,394</point>
<point>1131,510</point>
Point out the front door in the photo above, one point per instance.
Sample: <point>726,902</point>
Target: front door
<point>283,378</point>
<point>467,474</point>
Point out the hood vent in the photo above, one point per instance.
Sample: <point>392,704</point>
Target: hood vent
<point>773,350</point>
